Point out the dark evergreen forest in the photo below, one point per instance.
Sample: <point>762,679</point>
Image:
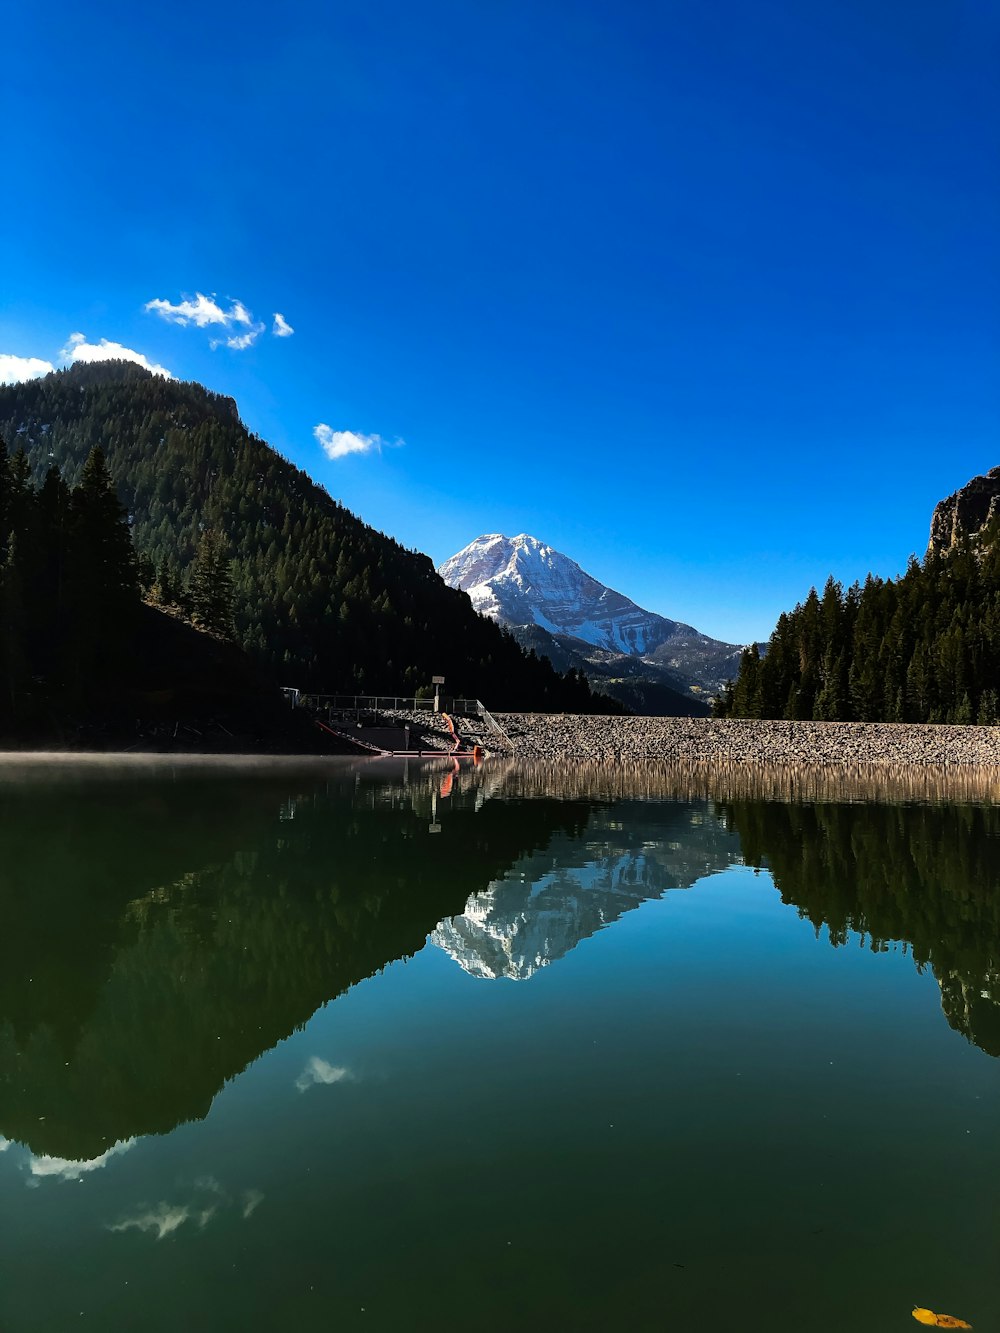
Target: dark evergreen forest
<point>921,648</point>
<point>234,537</point>
<point>69,590</point>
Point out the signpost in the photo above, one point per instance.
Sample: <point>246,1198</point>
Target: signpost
<point>437,682</point>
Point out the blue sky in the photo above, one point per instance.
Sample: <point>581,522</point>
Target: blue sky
<point>705,295</point>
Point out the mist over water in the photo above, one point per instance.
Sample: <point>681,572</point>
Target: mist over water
<point>379,1045</point>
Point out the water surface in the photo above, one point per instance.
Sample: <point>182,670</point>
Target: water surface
<point>354,1046</point>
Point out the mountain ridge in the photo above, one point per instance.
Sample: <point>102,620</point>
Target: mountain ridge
<point>321,599</point>
<point>529,587</point>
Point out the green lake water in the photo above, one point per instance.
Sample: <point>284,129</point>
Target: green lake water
<point>353,1046</point>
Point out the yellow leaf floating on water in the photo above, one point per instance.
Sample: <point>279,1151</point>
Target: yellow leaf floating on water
<point>923,1316</point>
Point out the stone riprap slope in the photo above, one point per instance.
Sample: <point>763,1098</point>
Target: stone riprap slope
<point>617,739</point>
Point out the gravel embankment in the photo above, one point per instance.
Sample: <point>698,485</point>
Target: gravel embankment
<point>610,739</point>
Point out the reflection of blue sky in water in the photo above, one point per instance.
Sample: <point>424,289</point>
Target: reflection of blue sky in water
<point>700,1081</point>
<point>207,1196</point>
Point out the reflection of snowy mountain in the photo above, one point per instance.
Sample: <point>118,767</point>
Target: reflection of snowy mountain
<point>549,902</point>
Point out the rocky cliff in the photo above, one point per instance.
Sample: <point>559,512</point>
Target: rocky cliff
<point>967,514</point>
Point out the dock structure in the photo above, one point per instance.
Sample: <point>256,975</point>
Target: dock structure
<point>397,725</point>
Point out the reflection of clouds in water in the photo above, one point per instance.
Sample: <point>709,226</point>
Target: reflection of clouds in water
<point>66,1168</point>
<point>4,1144</point>
<point>164,1218</point>
<point>251,1198</point>
<point>321,1071</point>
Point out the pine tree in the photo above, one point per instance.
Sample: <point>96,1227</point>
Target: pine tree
<point>102,590</point>
<point>13,659</point>
<point>211,586</point>
<point>103,554</point>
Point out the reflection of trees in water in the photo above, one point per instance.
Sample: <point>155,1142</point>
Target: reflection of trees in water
<point>174,931</point>
<point>159,935</point>
<point>928,875</point>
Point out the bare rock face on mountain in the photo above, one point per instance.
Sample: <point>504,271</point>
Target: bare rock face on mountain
<point>527,586</point>
<point>967,514</point>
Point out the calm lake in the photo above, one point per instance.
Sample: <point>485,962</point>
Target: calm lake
<point>353,1046</point>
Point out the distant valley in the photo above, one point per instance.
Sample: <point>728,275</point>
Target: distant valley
<point>652,664</point>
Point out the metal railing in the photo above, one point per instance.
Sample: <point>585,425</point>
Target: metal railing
<point>365,703</point>
<point>468,707</point>
<point>495,726</point>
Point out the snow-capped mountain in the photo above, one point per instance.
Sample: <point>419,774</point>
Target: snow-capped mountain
<point>520,581</point>
<point>515,927</point>
<point>549,901</point>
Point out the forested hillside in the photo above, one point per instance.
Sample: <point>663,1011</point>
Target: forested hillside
<point>323,600</point>
<point>69,593</point>
<point>921,648</point>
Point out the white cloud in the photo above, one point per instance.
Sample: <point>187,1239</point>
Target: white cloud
<point>66,1168</point>
<point>239,341</point>
<point>340,443</point>
<point>78,349</point>
<point>205,311</point>
<point>163,1219</point>
<point>319,1071</point>
<point>14,369</point>
<point>201,312</point>
<point>252,1199</point>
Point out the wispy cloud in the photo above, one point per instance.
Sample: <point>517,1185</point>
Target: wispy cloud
<point>14,369</point>
<point>252,1199</point>
<point>339,443</point>
<point>78,349</point>
<point>320,1071</point>
<point>164,1218</point>
<point>201,311</point>
<point>68,1168</point>
<point>239,341</point>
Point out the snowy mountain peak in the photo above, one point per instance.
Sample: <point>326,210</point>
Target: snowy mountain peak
<point>522,581</point>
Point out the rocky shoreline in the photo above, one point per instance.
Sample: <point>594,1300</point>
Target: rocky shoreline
<point>699,740</point>
<point>542,739</point>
